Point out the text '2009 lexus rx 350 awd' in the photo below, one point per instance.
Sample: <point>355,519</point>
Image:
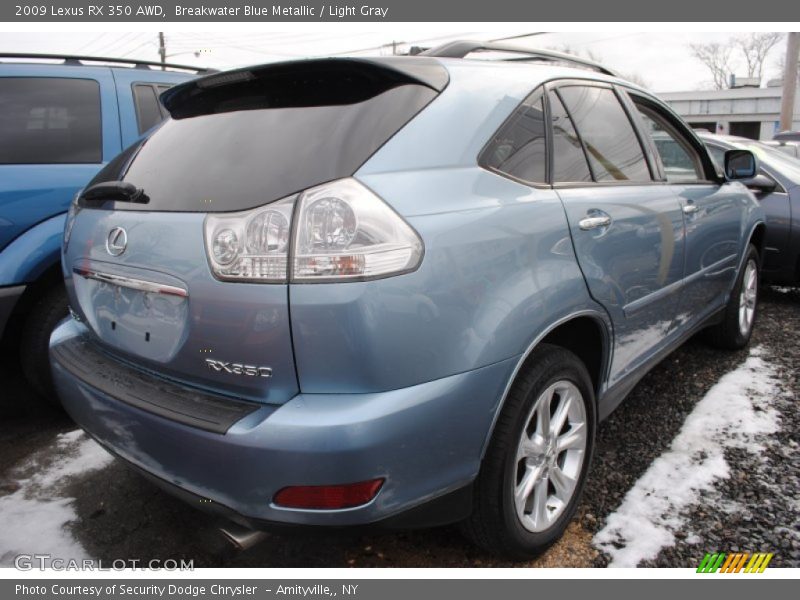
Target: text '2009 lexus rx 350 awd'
<point>395,291</point>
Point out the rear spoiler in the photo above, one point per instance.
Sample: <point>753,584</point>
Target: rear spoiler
<point>314,82</point>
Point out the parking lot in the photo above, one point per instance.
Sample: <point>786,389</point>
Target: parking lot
<point>702,456</point>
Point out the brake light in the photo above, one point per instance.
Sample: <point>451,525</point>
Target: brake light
<point>342,232</point>
<point>328,497</point>
<point>251,245</point>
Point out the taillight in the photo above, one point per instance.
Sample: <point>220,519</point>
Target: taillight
<point>330,497</point>
<point>342,232</point>
<point>252,245</point>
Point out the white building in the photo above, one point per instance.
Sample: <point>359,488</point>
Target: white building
<point>746,111</point>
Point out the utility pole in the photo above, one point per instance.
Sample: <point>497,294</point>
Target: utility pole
<point>789,81</point>
<point>162,49</point>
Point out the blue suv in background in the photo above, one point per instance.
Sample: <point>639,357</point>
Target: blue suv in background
<point>59,123</point>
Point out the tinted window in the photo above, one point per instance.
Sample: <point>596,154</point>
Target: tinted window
<point>148,111</point>
<point>569,161</point>
<point>241,159</point>
<point>518,148</point>
<point>611,144</point>
<point>49,120</point>
<point>680,162</point>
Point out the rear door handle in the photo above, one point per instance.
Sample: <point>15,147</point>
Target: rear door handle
<point>690,209</point>
<point>594,222</point>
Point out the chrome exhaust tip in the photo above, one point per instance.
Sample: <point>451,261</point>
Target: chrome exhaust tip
<point>242,538</point>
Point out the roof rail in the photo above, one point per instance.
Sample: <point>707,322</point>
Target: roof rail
<point>461,48</point>
<point>76,60</point>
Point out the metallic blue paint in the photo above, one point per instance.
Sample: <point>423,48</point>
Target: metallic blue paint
<point>426,440</point>
<point>402,377</point>
<point>238,323</point>
<point>493,277</point>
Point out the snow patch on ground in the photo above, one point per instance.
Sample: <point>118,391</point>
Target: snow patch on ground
<point>735,413</point>
<point>35,515</point>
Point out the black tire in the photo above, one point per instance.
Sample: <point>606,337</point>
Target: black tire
<point>43,317</point>
<point>728,334</point>
<point>494,524</point>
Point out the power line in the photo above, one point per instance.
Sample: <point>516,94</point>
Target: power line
<point>119,44</point>
<point>94,40</point>
<point>133,51</point>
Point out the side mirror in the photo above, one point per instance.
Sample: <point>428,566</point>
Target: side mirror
<point>740,164</point>
<point>761,184</point>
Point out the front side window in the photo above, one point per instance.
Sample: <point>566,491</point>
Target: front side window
<point>680,161</point>
<point>47,120</point>
<point>518,148</point>
<point>612,146</point>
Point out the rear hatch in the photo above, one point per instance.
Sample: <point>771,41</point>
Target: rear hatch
<point>137,267</point>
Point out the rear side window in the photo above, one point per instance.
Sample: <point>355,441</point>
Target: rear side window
<point>612,146</point>
<point>49,120</point>
<point>518,149</point>
<point>569,161</point>
<point>149,112</point>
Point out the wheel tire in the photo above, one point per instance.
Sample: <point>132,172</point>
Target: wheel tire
<point>495,524</point>
<point>48,311</point>
<point>731,333</point>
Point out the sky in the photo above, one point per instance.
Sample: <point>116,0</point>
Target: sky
<point>660,59</point>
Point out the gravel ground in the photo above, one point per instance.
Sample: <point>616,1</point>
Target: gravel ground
<point>762,496</point>
<point>119,515</point>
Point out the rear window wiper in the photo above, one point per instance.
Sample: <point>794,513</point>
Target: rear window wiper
<point>120,191</point>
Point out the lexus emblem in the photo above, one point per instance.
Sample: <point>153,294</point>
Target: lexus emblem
<point>117,241</point>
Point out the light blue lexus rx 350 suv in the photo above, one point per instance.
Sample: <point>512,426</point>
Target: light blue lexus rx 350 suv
<point>398,291</point>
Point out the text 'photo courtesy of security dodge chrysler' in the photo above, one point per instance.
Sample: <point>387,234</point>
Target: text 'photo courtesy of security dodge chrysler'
<point>396,292</point>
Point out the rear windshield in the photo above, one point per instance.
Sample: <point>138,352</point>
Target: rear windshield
<point>229,161</point>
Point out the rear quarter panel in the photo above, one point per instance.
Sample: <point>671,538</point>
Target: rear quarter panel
<point>494,276</point>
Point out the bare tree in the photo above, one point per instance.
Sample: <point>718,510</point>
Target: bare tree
<point>780,65</point>
<point>717,57</point>
<point>755,47</point>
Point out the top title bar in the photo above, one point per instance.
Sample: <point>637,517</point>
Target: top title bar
<point>400,10</point>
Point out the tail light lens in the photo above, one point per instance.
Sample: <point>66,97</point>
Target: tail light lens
<point>342,232</point>
<point>252,245</point>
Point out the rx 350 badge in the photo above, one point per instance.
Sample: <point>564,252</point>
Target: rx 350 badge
<point>221,366</point>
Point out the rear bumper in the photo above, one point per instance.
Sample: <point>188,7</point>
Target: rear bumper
<point>426,441</point>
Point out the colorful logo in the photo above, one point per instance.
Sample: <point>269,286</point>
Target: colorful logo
<point>720,562</point>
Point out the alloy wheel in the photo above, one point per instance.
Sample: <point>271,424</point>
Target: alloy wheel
<point>550,456</point>
<point>748,297</point>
